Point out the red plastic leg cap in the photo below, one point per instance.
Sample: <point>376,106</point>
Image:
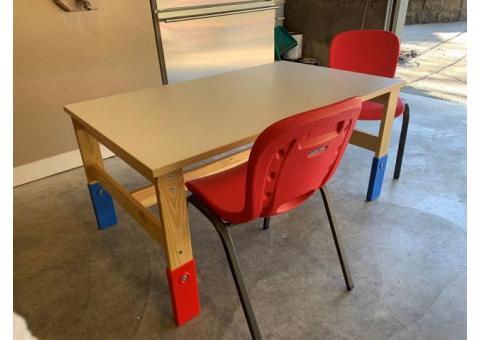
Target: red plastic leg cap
<point>184,292</point>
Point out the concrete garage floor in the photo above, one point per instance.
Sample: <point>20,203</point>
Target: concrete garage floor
<point>439,68</point>
<point>407,252</point>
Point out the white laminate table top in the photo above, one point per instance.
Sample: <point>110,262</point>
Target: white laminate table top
<point>167,127</point>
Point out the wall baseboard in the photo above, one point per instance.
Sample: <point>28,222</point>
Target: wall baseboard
<point>30,172</point>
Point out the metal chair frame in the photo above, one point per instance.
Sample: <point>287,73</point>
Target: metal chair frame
<point>222,229</point>
<point>401,144</point>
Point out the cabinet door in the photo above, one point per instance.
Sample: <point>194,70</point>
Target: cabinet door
<point>204,46</point>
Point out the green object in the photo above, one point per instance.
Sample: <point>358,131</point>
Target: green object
<point>283,41</point>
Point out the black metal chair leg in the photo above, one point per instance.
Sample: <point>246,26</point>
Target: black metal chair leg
<point>238,278</point>
<point>266,223</point>
<point>336,238</point>
<point>401,144</point>
<point>222,230</point>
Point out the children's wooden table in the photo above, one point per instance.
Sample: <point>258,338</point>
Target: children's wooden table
<point>159,131</point>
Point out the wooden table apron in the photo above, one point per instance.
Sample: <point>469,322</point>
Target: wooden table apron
<point>171,229</point>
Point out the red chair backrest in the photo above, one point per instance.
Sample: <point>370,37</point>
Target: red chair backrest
<point>296,156</point>
<point>370,51</point>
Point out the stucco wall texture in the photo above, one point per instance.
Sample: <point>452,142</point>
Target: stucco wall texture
<point>321,20</point>
<point>435,11</point>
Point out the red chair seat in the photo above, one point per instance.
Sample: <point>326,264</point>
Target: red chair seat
<point>223,192</point>
<point>374,111</point>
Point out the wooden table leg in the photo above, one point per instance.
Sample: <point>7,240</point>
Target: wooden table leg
<point>379,162</point>
<point>101,200</point>
<point>181,271</point>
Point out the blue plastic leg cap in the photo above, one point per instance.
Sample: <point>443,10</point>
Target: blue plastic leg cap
<point>376,177</point>
<point>103,206</point>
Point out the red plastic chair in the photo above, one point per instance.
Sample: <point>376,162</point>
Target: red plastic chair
<point>289,162</point>
<point>373,52</point>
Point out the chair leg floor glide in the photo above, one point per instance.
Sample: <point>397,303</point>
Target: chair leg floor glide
<point>266,223</point>
<point>401,144</point>
<point>336,238</point>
